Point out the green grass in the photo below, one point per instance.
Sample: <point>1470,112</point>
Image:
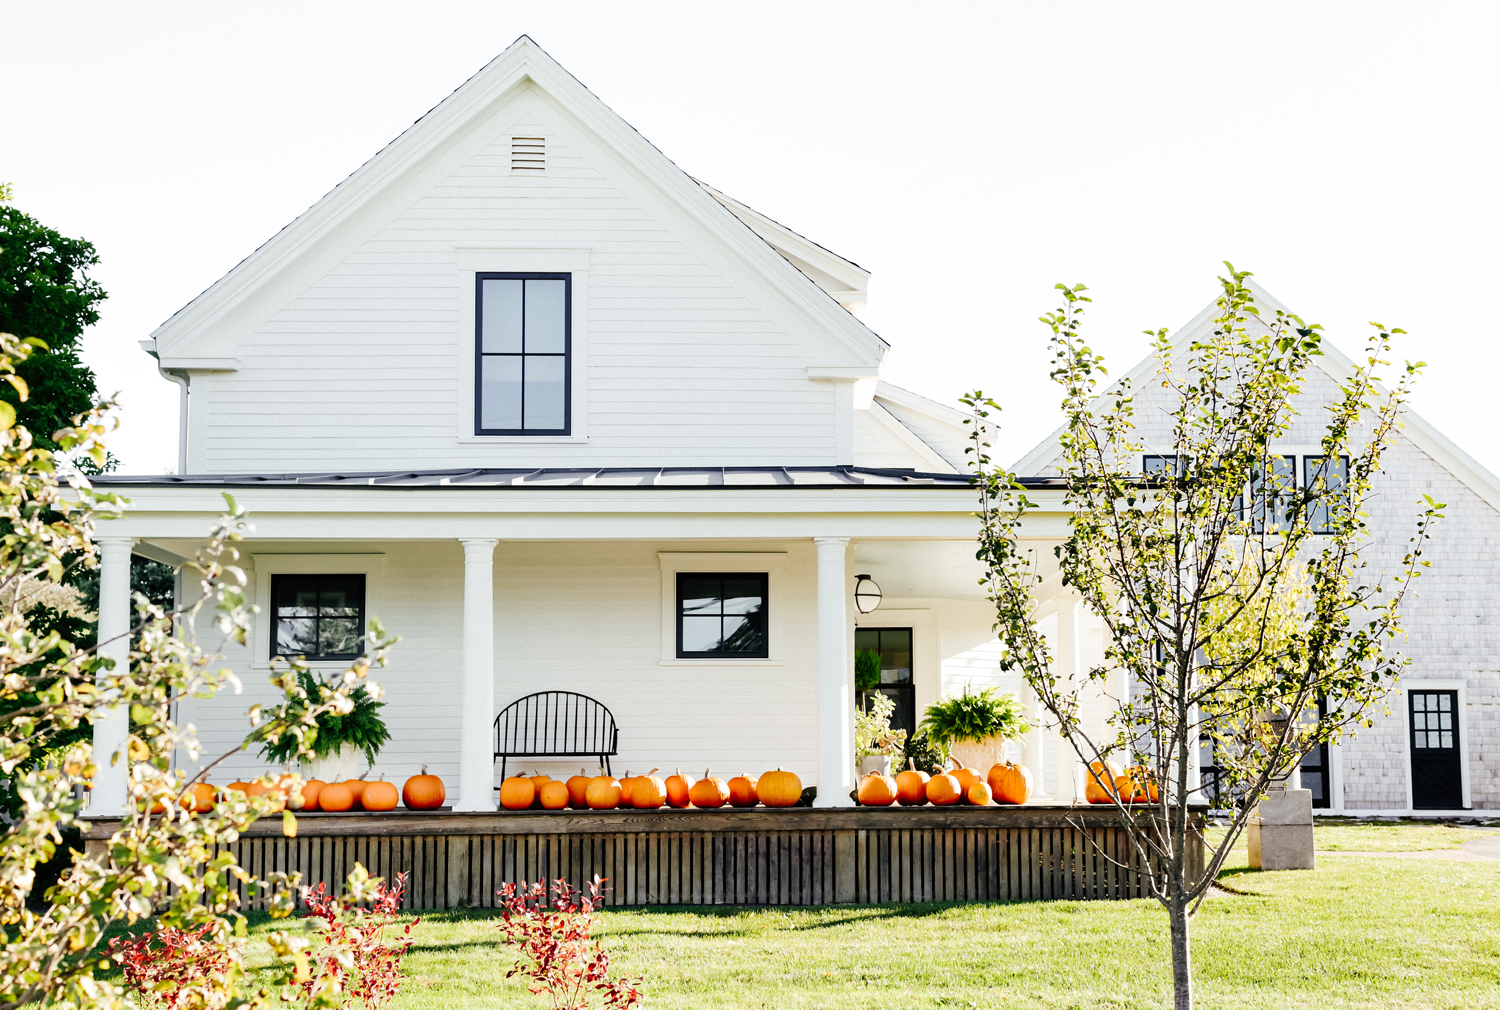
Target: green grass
<point>1332,835</point>
<point>1354,933</point>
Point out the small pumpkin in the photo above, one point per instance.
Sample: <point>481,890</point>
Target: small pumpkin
<point>336,797</point>
<point>423,792</point>
<point>943,790</point>
<point>779,789</point>
<point>310,790</point>
<point>966,776</point>
<point>742,791</point>
<point>709,792</point>
<point>554,796</point>
<point>379,796</point>
<point>357,787</point>
<point>877,790</point>
<point>517,793</point>
<point>603,793</point>
<point>1100,782</point>
<point>1010,783</point>
<point>578,789</point>
<point>239,787</point>
<point>679,788</point>
<point>1138,785</point>
<point>979,794</point>
<point>649,792</point>
<point>911,786</point>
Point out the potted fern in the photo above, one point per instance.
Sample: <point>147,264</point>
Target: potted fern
<point>973,727</point>
<point>340,738</point>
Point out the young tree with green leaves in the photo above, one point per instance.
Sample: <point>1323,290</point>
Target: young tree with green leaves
<point>1233,600</point>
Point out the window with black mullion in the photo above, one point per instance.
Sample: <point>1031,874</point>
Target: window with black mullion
<point>318,616</point>
<point>522,348</point>
<point>722,614</point>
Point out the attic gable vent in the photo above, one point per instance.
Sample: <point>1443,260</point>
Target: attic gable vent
<point>528,154</point>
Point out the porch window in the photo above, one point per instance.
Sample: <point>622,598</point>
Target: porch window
<point>721,615</point>
<point>318,616</point>
<point>522,354</point>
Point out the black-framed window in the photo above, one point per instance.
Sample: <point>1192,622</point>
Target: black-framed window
<point>722,614</point>
<point>1164,466</point>
<point>1273,494</point>
<point>318,616</point>
<point>523,354</point>
<point>894,647</point>
<point>1330,473</point>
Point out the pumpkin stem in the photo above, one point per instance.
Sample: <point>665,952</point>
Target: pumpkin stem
<point>424,769</point>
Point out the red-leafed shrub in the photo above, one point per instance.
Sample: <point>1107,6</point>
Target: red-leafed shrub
<point>555,947</point>
<point>354,958</point>
<point>176,968</point>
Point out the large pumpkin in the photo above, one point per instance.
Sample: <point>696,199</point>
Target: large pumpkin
<point>966,776</point>
<point>649,793</point>
<point>423,792</point>
<point>779,789</point>
<point>578,790</point>
<point>603,793</point>
<point>1100,782</point>
<point>1138,785</point>
<point>238,787</point>
<point>944,790</point>
<point>709,792</point>
<point>742,792</point>
<point>357,787</point>
<point>1010,783</point>
<point>379,796</point>
<point>679,786</point>
<point>203,798</point>
<point>911,787</point>
<point>554,796</point>
<point>877,790</point>
<point>336,797</point>
<point>979,794</point>
<point>310,790</point>
<point>517,793</point>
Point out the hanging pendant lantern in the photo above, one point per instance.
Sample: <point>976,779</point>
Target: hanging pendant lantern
<point>866,594</point>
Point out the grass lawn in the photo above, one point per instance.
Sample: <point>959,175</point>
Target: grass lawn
<point>1357,932</point>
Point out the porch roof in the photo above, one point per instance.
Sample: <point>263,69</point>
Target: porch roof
<point>553,478</point>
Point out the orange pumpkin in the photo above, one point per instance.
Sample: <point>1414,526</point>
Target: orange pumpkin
<point>877,790</point>
<point>423,792</point>
<point>649,793</point>
<point>911,787</point>
<point>379,796</point>
<point>966,776</point>
<point>357,787</point>
<point>779,789</point>
<point>336,797</point>
<point>578,790</point>
<point>1100,782</point>
<point>1138,785</point>
<point>742,792</point>
<point>1010,783</point>
<point>627,782</point>
<point>554,796</point>
<point>239,787</point>
<point>310,790</point>
<point>709,792</point>
<point>979,794</point>
<point>517,793</point>
<point>203,798</point>
<point>679,786</point>
<point>943,790</point>
<point>538,780</point>
<point>604,793</point>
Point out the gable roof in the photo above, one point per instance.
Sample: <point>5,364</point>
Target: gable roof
<point>523,64</point>
<point>1420,431</point>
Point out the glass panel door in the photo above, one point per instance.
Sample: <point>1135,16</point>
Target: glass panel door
<point>1436,775</point>
<point>894,647</point>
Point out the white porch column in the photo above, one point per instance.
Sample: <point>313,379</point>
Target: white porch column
<point>835,676</point>
<point>111,794</point>
<point>476,755</point>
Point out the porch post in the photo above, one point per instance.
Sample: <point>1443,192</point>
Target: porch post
<point>835,687</point>
<point>111,792</point>
<point>476,754</point>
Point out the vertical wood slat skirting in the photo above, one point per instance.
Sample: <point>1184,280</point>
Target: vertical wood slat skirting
<point>853,857</point>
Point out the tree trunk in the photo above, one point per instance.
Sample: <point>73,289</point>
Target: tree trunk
<point>1182,965</point>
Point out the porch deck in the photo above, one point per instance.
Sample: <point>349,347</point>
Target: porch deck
<point>797,856</point>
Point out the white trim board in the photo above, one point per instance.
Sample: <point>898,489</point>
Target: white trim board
<point>263,566</point>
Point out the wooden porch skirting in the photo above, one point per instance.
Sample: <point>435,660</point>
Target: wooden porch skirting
<point>795,856</point>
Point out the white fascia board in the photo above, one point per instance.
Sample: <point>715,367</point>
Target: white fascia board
<point>941,414</point>
<point>203,364</point>
<point>838,373</point>
<point>523,63</point>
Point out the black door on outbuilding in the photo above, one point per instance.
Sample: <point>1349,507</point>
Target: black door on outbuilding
<point>1436,774</point>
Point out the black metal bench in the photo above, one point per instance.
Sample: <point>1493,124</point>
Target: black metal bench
<point>552,724</point>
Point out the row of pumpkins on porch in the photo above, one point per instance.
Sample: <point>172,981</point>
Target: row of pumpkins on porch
<point>1006,783</point>
<point>421,792</point>
<point>648,792</point>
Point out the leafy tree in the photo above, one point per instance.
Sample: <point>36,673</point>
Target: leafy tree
<point>1228,613</point>
<point>47,294</point>
<point>170,863</point>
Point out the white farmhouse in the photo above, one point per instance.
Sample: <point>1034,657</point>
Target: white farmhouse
<point>568,420</point>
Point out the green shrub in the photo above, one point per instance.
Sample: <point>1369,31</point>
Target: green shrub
<point>973,717</point>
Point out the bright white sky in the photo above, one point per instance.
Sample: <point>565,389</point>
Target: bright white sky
<point>971,155</point>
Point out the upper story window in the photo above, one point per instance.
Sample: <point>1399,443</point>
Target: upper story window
<point>1273,493</point>
<point>318,616</point>
<point>1330,473</point>
<point>721,615</point>
<point>522,354</point>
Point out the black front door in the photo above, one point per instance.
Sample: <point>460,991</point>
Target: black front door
<point>1436,776</point>
<point>894,647</point>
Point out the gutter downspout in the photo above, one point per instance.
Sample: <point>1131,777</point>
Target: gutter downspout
<point>183,379</point>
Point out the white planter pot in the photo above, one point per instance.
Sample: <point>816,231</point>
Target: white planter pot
<point>337,767</point>
<point>875,763</point>
<point>980,755</point>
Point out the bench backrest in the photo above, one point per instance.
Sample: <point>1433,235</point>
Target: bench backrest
<point>555,723</point>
